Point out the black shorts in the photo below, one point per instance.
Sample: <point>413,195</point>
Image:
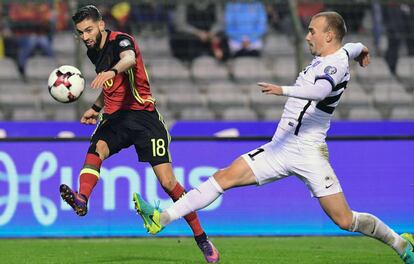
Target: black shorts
<point>143,129</point>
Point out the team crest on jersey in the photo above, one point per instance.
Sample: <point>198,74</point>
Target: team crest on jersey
<point>330,70</point>
<point>124,43</point>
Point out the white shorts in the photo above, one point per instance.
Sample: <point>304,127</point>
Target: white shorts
<point>289,155</point>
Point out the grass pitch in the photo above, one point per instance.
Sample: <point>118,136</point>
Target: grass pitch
<point>281,250</point>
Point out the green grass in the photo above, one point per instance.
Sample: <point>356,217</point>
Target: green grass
<point>237,250</point>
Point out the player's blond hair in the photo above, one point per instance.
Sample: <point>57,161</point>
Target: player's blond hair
<point>334,22</point>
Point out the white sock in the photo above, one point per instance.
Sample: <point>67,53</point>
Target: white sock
<point>371,226</point>
<point>194,200</point>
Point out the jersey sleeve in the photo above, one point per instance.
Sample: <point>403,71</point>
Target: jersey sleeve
<point>123,43</point>
<point>332,71</point>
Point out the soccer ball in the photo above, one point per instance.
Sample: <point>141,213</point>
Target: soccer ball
<point>66,84</point>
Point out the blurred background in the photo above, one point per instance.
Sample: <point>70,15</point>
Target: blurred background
<point>204,59</point>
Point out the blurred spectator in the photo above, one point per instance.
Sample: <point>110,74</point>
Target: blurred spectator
<point>399,22</point>
<point>117,17</point>
<point>307,9</point>
<point>7,42</point>
<point>352,11</point>
<point>31,25</point>
<point>278,17</point>
<point>246,24</point>
<point>150,15</point>
<point>197,30</point>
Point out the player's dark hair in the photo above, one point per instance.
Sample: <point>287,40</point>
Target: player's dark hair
<point>87,12</point>
<point>334,22</point>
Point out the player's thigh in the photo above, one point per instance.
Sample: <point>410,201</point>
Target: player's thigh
<point>312,166</point>
<point>108,139</point>
<point>237,174</point>
<point>151,138</point>
<point>267,163</point>
<point>337,208</point>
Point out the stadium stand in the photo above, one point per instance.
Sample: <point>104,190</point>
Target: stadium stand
<point>204,90</point>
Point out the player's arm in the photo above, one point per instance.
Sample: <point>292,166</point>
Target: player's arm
<point>315,92</point>
<point>127,60</point>
<point>358,52</point>
<point>91,115</point>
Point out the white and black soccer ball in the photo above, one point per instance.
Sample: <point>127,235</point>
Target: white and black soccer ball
<point>66,84</point>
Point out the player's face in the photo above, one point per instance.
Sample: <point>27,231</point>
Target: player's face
<point>317,35</point>
<point>90,32</point>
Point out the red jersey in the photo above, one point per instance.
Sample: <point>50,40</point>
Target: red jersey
<point>128,90</point>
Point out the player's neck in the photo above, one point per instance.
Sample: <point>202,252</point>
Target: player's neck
<point>103,39</point>
<point>331,49</point>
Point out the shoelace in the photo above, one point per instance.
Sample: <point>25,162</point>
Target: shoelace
<point>157,205</point>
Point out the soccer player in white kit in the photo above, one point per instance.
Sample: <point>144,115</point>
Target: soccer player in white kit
<point>298,146</point>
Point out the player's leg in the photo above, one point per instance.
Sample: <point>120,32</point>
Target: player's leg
<point>259,166</point>
<point>237,174</point>
<point>337,209</point>
<point>104,142</point>
<point>175,190</point>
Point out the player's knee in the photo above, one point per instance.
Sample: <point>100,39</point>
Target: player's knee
<point>101,148</point>
<point>168,183</point>
<point>344,222</point>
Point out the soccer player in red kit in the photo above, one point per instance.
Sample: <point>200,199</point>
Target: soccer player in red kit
<point>130,117</point>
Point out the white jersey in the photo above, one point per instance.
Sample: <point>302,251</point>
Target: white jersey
<point>309,119</point>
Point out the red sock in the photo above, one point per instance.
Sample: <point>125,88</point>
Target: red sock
<point>191,218</point>
<point>89,175</point>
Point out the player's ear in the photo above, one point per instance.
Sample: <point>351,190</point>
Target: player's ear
<point>101,25</point>
<point>330,35</point>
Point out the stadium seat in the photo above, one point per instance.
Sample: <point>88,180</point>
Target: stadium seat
<point>239,113</point>
<point>285,69</point>
<point>207,68</point>
<point>251,68</point>
<point>221,101</point>
<point>167,69</point>
<point>272,114</point>
<point>377,72</point>
<point>369,113</point>
<point>178,102</point>
<point>198,113</point>
<point>64,44</point>
<point>405,67</point>
<point>26,114</point>
<point>40,67</point>
<point>403,113</point>
<point>8,69</point>
<point>263,102</point>
<point>65,114</point>
<point>278,44</point>
<point>391,94</point>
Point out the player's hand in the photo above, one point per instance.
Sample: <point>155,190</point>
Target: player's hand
<point>102,77</point>
<point>89,117</point>
<point>269,88</point>
<point>364,58</point>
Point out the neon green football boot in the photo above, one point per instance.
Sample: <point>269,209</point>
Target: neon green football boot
<point>408,254</point>
<point>150,214</point>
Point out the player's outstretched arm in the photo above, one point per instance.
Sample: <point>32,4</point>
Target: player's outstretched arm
<point>315,92</point>
<point>359,53</point>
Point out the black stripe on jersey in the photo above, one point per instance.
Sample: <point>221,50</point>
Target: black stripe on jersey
<point>347,53</point>
<point>340,86</point>
<point>326,77</point>
<point>301,117</point>
<point>324,104</point>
